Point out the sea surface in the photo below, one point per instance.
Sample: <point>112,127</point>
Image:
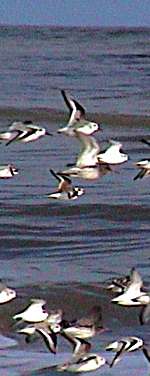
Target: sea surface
<point>65,251</point>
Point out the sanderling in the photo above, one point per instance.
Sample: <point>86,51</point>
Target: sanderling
<point>87,165</point>
<point>89,150</point>
<point>125,344</point>
<point>144,166</point>
<point>118,284</point>
<point>86,327</point>
<point>133,295</point>
<point>77,119</point>
<point>113,154</point>
<point>8,171</point>
<point>35,312</point>
<point>6,293</point>
<point>23,132</point>
<point>65,191</point>
<point>48,333</point>
<point>88,172</point>
<point>83,363</point>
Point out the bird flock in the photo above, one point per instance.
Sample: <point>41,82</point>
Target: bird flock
<point>91,163</point>
<point>35,320</point>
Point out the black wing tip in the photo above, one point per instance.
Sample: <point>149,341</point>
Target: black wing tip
<point>144,141</point>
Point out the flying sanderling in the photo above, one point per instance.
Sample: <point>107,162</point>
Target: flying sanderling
<point>123,345</point>
<point>144,166</point>
<point>24,131</point>
<point>133,295</point>
<point>85,327</point>
<point>83,363</point>
<point>8,171</point>
<point>6,293</point>
<point>113,154</point>
<point>65,191</point>
<point>77,119</point>
<point>35,312</point>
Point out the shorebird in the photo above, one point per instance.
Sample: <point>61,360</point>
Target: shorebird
<point>77,119</point>
<point>34,313</point>
<point>8,171</point>
<point>47,331</point>
<point>123,345</point>
<point>86,327</point>
<point>87,165</point>
<point>89,150</point>
<point>88,172</point>
<point>24,131</point>
<point>144,166</point>
<point>65,191</point>
<point>133,295</point>
<point>83,363</point>
<point>6,293</point>
<point>118,284</point>
<point>113,154</point>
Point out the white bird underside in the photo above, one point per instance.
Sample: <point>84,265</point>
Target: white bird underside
<point>33,313</point>
<point>113,155</point>
<point>8,171</point>
<point>84,363</point>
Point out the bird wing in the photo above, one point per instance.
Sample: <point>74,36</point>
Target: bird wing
<point>94,317</point>
<point>144,316</point>
<point>140,174</point>
<point>146,351</point>
<point>65,183</point>
<point>145,141</point>
<point>89,150</point>
<point>76,110</point>
<point>50,339</point>
<point>119,353</point>
<point>17,134</point>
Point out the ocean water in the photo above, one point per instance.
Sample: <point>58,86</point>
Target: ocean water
<point>64,251</point>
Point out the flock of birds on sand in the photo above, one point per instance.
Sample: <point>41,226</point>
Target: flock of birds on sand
<point>91,163</point>
<point>36,321</point>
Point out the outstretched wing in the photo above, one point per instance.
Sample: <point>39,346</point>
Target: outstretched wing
<point>50,339</point>
<point>76,110</point>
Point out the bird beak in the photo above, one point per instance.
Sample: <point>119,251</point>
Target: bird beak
<point>48,134</point>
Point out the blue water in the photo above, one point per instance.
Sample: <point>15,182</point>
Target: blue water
<point>63,252</point>
<point>108,69</point>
